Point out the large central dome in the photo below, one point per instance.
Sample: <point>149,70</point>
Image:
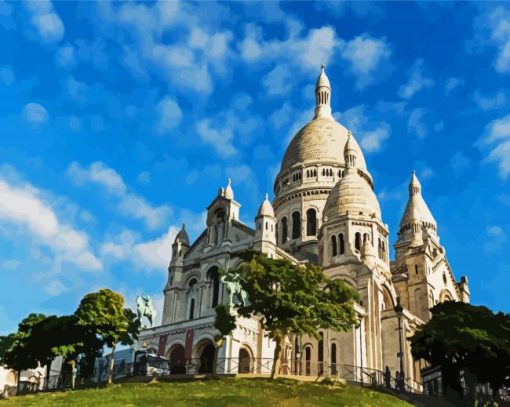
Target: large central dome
<point>320,141</point>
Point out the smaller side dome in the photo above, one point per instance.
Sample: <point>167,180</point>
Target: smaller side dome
<point>266,209</point>
<point>182,236</point>
<point>351,193</point>
<point>229,192</point>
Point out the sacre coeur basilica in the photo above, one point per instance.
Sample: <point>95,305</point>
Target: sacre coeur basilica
<point>325,211</point>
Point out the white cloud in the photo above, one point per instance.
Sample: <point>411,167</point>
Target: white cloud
<point>97,173</point>
<point>416,123</point>
<point>498,129</point>
<point>490,102</point>
<point>459,162</point>
<point>35,113</point>
<point>65,56</point>
<point>497,135</point>
<point>10,264</point>
<point>23,206</point>
<point>303,51</point>
<point>170,114</point>
<point>45,20</point>
<point>150,256</point>
<point>281,116</point>
<point>370,135</point>
<point>186,65</point>
<point>416,81</point>
<point>156,254</point>
<point>220,139</point>
<point>494,26</point>
<point>366,55</point>
<point>7,75</point>
<point>496,238</point>
<point>452,84</point>
<point>144,178</point>
<point>130,204</point>
<point>54,288</point>
<point>278,81</point>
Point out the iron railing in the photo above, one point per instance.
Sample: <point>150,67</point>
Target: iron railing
<point>226,366</point>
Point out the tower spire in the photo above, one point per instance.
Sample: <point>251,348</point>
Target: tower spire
<point>322,95</point>
<point>417,215</point>
<point>350,155</point>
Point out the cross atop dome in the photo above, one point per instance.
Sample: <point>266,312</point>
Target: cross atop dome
<point>322,95</point>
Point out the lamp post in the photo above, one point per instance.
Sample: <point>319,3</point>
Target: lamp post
<point>399,311</point>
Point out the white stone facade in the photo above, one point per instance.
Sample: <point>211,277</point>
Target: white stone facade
<point>325,211</point>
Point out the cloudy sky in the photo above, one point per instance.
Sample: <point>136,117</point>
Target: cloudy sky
<point>120,121</point>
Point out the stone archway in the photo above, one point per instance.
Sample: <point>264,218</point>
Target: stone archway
<point>176,357</point>
<point>244,361</point>
<point>206,358</point>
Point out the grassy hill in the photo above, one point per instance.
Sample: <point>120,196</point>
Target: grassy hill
<point>212,393</point>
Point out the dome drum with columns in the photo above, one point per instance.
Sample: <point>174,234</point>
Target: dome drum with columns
<point>325,212</point>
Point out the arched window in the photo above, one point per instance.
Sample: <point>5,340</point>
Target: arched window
<point>357,241</point>
<point>214,278</point>
<point>333,358</point>
<point>296,225</point>
<point>365,237</point>
<point>416,269</point>
<point>308,357</point>
<point>333,245</point>
<point>341,243</point>
<point>285,230</point>
<point>311,222</point>
<point>321,352</point>
<point>192,282</point>
<point>192,308</point>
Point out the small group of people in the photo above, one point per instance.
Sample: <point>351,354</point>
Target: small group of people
<point>399,380</point>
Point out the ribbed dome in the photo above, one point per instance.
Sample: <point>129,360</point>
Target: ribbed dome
<point>320,141</point>
<point>351,194</point>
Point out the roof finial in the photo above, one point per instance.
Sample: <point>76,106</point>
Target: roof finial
<point>267,196</point>
<point>229,192</point>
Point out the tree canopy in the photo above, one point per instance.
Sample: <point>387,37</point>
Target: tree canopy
<point>104,314</point>
<point>293,299</point>
<point>464,336</point>
<point>100,320</point>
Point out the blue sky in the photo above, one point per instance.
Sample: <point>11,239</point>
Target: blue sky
<point>120,121</point>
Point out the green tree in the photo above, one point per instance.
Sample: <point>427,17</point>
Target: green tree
<point>6,343</point>
<point>103,313</point>
<point>293,299</point>
<point>58,336</point>
<point>225,323</point>
<point>18,352</point>
<point>463,336</point>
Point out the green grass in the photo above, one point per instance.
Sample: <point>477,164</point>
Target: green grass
<point>212,393</point>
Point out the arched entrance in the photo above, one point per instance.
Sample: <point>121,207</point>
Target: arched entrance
<point>206,358</point>
<point>244,361</point>
<point>177,365</point>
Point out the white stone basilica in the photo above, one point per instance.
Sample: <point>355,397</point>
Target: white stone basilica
<point>325,211</point>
